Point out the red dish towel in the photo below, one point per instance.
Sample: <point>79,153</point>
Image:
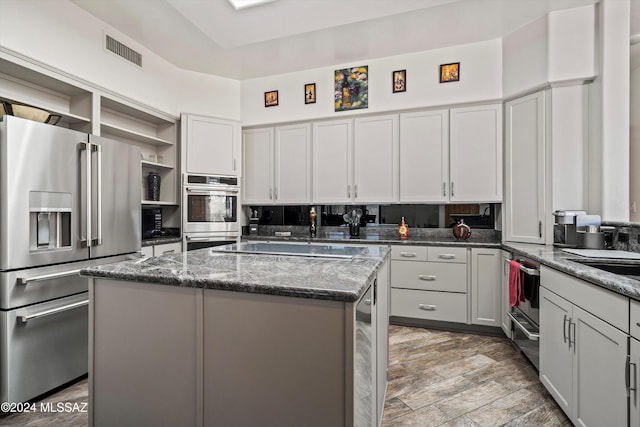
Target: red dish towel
<point>515,284</point>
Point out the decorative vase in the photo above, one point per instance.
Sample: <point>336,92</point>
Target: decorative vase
<point>153,186</point>
<point>461,230</point>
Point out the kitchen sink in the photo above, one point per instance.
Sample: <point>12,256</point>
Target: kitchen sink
<point>629,269</point>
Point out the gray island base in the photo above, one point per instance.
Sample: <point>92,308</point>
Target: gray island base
<point>206,338</point>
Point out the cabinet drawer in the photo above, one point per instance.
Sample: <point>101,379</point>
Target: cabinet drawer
<point>166,249</point>
<point>635,319</point>
<point>430,305</point>
<point>447,254</point>
<point>409,253</point>
<point>431,276</point>
<point>609,306</point>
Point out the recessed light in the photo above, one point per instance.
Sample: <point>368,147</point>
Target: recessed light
<point>243,4</point>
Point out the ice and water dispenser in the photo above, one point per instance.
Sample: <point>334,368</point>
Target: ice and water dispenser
<point>49,220</point>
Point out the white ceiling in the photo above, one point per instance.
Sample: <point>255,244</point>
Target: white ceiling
<point>282,36</point>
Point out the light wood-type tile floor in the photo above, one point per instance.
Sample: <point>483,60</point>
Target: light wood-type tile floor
<point>439,378</point>
<point>436,378</point>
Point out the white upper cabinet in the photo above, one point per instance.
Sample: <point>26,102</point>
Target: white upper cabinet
<point>292,171</point>
<point>525,169</point>
<point>332,161</point>
<point>356,161</point>
<point>209,145</point>
<point>277,165</point>
<point>375,169</point>
<point>257,157</point>
<point>424,156</point>
<point>475,154</point>
<point>451,155</point>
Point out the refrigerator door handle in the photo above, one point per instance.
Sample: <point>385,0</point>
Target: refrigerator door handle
<point>98,196</point>
<point>24,318</point>
<point>85,199</point>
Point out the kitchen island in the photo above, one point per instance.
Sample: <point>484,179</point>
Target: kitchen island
<point>212,337</point>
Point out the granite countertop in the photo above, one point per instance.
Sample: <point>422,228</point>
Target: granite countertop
<point>161,240</point>
<point>554,257</point>
<point>337,279</point>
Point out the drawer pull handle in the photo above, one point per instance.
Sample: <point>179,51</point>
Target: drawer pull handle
<point>50,276</point>
<point>427,277</point>
<point>408,254</point>
<point>427,307</point>
<point>170,251</point>
<point>446,256</point>
<point>49,312</point>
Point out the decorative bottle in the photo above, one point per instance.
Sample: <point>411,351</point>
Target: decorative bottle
<point>346,94</point>
<point>312,222</point>
<point>403,230</point>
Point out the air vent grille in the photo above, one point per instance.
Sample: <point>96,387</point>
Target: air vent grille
<point>123,51</point>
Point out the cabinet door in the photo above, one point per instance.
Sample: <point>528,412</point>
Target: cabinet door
<point>634,398</point>
<point>211,145</point>
<point>505,322</point>
<point>556,351</point>
<point>475,150</point>
<point>424,156</point>
<point>332,160</point>
<point>292,178</point>
<point>524,169</point>
<point>382,335</point>
<point>600,354</point>
<point>258,164</point>
<point>375,168</point>
<point>486,283</point>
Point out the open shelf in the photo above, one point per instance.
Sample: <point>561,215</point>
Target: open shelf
<point>152,165</point>
<point>111,129</point>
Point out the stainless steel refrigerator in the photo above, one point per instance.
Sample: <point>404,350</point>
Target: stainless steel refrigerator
<point>67,200</point>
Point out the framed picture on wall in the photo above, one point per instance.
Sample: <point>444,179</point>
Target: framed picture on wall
<point>450,72</point>
<point>399,81</point>
<point>351,88</point>
<point>310,93</point>
<point>271,98</point>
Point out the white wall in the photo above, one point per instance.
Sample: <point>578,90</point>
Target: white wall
<point>63,36</point>
<point>609,151</point>
<point>480,80</point>
<point>634,140</point>
<point>559,47</point>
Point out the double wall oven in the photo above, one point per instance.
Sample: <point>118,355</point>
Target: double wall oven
<point>210,211</point>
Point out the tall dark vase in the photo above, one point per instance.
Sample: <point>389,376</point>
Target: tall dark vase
<point>153,186</point>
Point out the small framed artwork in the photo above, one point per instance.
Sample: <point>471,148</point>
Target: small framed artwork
<point>450,72</point>
<point>310,93</point>
<point>400,81</point>
<point>271,98</point>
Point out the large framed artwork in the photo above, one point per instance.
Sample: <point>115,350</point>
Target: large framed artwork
<point>351,90</point>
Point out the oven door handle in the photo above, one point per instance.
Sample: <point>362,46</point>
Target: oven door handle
<point>530,335</point>
<point>530,271</point>
<point>210,239</point>
<point>211,190</point>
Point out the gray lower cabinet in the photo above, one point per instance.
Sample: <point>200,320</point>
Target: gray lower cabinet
<point>145,352</point>
<point>583,349</point>
<point>486,284</point>
<point>429,283</point>
<point>634,382</point>
<point>171,355</point>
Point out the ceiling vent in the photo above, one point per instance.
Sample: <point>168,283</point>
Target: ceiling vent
<point>123,51</point>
